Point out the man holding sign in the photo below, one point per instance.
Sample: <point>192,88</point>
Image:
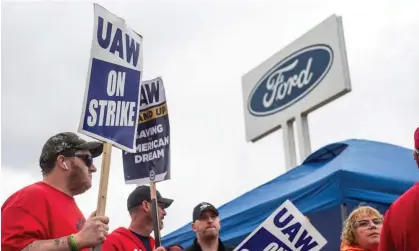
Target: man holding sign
<point>137,236</point>
<point>44,216</point>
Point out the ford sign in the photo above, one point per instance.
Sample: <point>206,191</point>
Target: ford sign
<point>290,80</point>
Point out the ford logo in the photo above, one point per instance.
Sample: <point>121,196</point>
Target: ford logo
<point>290,80</point>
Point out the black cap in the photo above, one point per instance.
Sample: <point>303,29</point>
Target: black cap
<point>200,208</point>
<point>142,193</point>
<point>66,141</point>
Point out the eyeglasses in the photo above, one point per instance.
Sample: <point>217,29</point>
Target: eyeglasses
<point>367,223</point>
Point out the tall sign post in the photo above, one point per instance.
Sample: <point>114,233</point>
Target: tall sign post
<point>307,74</point>
<point>112,98</point>
<point>121,110</point>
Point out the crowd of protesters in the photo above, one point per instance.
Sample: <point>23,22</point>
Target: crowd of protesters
<point>44,216</point>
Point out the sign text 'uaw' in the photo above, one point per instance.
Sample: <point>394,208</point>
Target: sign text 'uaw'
<point>287,229</point>
<point>151,161</point>
<point>111,102</point>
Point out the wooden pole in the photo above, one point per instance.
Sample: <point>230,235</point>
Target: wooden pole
<point>156,221</point>
<point>103,183</point>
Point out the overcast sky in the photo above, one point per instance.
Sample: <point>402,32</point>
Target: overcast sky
<point>201,49</point>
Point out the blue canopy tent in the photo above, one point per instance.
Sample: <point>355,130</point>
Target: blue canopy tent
<point>326,187</point>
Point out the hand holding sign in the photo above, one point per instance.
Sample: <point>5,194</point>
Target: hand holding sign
<point>94,231</point>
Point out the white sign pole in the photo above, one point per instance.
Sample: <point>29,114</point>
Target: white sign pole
<point>303,135</point>
<point>289,145</point>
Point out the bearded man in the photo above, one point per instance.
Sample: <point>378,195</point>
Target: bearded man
<point>44,215</point>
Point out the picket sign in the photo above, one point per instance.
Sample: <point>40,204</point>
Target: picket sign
<point>286,229</point>
<point>111,101</point>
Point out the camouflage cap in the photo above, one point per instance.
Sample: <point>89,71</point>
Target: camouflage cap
<point>66,141</point>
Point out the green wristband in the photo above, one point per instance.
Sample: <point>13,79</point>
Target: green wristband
<point>72,243</point>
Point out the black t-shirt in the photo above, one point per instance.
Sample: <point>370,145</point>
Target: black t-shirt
<point>221,246</point>
<point>145,240</point>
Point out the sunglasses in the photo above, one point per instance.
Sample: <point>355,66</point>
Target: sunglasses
<point>86,158</point>
<point>367,223</point>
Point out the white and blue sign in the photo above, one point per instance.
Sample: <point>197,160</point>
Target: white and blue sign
<point>290,80</point>
<point>151,161</point>
<point>284,89</point>
<point>111,102</point>
<point>286,229</point>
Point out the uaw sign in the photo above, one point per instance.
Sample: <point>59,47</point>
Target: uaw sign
<point>151,161</point>
<point>307,74</point>
<point>284,230</point>
<point>111,102</point>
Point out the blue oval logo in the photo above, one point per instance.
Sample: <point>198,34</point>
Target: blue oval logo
<point>290,80</point>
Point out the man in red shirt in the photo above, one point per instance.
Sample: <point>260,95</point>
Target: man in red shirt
<point>400,230</point>
<point>44,216</point>
<point>137,236</point>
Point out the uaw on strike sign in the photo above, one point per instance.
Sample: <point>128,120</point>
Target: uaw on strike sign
<point>111,102</point>
<point>151,161</point>
<point>285,230</point>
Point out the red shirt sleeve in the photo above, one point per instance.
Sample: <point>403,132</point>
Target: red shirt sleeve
<point>386,241</point>
<point>24,219</point>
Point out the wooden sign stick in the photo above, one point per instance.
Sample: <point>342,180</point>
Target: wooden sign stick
<point>154,208</point>
<point>103,183</point>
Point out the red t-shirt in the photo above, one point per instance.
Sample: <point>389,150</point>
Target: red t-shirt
<point>123,239</point>
<point>400,231</point>
<point>38,212</point>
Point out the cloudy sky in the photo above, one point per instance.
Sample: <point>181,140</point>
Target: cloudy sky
<point>201,49</point>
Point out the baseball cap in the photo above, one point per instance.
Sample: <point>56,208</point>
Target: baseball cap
<point>66,141</point>
<point>142,193</point>
<point>417,139</point>
<point>200,208</point>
